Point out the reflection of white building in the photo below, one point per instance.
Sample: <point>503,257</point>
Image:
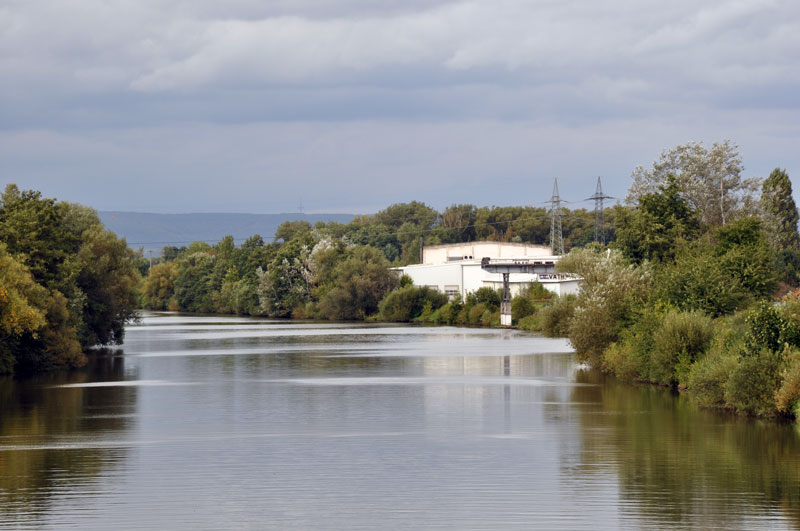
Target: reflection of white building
<point>456,268</point>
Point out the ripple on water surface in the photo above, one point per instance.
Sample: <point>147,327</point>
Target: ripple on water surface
<point>229,423</point>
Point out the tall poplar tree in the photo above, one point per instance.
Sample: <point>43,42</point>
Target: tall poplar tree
<point>778,211</point>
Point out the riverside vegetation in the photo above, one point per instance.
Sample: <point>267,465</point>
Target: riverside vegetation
<point>66,283</point>
<point>694,290</point>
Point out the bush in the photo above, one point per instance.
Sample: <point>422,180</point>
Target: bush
<point>752,384</point>
<point>787,398</point>
<point>629,358</point>
<point>708,378</point>
<point>765,328</point>
<point>475,313</point>
<point>531,323</point>
<point>555,318</point>
<point>521,307</point>
<point>487,296</point>
<point>611,291</point>
<point>621,360</point>
<point>447,314</point>
<point>406,304</point>
<point>682,338</point>
<point>535,291</point>
<point>490,318</point>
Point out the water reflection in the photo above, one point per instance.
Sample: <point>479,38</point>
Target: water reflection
<point>278,425</point>
<point>46,436</point>
<point>680,467</point>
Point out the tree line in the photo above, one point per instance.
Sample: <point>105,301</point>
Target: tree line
<point>339,271</point>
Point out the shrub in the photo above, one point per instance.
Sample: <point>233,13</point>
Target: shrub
<point>531,323</point>
<point>427,312</point>
<point>476,312</point>
<point>406,304</point>
<point>521,307</point>
<point>556,317</point>
<point>752,384</point>
<point>611,291</point>
<point>487,296</point>
<point>535,291</point>
<point>765,328</point>
<point>682,338</point>
<point>708,378</point>
<point>621,360</point>
<point>629,358</point>
<point>592,328</point>
<point>490,318</point>
<point>787,397</point>
<point>450,313</point>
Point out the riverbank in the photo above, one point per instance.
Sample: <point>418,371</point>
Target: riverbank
<point>727,348</point>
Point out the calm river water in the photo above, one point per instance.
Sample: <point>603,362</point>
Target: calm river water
<point>229,423</point>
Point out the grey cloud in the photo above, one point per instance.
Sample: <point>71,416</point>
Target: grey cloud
<point>363,165</point>
<point>239,105</point>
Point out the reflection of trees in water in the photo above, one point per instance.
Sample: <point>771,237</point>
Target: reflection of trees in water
<point>51,437</point>
<point>680,465</point>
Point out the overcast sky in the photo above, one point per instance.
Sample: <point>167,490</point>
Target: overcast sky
<point>351,105</point>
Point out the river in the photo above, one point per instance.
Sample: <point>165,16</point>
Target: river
<point>235,423</point>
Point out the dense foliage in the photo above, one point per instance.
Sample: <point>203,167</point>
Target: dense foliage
<point>685,297</point>
<point>66,283</point>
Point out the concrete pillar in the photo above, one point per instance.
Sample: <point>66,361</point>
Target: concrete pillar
<point>505,306</point>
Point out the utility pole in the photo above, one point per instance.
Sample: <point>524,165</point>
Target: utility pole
<point>599,213</point>
<point>556,235</point>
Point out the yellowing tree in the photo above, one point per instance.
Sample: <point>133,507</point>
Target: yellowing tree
<point>17,314</point>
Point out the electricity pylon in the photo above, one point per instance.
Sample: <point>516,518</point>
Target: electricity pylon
<point>556,236</point>
<point>599,213</point>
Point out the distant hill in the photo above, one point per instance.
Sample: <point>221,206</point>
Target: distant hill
<point>154,231</point>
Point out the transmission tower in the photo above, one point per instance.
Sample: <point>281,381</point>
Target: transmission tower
<point>556,236</point>
<point>599,216</point>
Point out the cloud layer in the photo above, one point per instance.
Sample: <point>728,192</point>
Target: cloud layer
<point>372,102</point>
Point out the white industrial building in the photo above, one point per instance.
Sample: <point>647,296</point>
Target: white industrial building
<point>455,269</point>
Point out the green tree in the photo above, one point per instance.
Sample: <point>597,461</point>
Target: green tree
<point>361,280</point>
<point>55,346</point>
<point>418,214</point>
<point>458,224</point>
<point>194,285</point>
<point>158,289</point>
<point>288,230</point>
<point>653,229</point>
<point>33,230</point>
<point>286,283</point>
<point>778,211</point>
<point>721,272</point>
<point>109,279</point>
